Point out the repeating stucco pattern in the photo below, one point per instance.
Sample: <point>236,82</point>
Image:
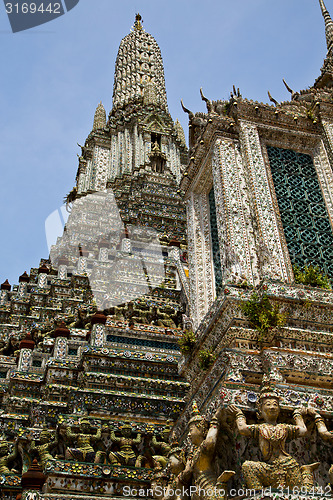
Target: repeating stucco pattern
<point>268,228</point>
<point>200,254</point>
<point>101,167</point>
<point>232,205</point>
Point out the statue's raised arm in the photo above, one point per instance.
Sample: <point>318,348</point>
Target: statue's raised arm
<point>241,424</point>
<point>323,432</point>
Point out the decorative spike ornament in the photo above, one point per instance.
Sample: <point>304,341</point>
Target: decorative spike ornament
<point>100,117</point>
<point>180,132</point>
<point>328,26</point>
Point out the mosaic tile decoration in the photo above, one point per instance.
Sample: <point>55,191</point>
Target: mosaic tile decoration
<point>215,241</point>
<point>303,212</point>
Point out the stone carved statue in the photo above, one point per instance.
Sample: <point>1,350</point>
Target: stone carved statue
<point>126,455</point>
<point>84,451</point>
<point>6,457</point>
<point>323,432</point>
<point>179,479</point>
<point>166,316</point>
<point>82,320</point>
<point>163,447</point>
<point>129,312</point>
<point>162,316</point>
<point>201,461</point>
<point>44,447</point>
<point>279,469</point>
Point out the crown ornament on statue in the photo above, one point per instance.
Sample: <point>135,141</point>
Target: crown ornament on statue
<point>197,418</point>
<point>126,425</point>
<point>195,414</point>
<point>267,392</point>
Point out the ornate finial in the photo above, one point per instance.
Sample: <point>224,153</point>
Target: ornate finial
<point>138,24</point>
<point>6,286</point>
<point>34,478</point>
<point>180,132</point>
<point>328,26</point>
<point>134,81</point>
<point>99,117</point>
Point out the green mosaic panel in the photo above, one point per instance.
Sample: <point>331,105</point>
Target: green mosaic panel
<point>215,241</point>
<point>303,212</point>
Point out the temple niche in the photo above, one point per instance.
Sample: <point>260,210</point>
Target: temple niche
<point>177,343</point>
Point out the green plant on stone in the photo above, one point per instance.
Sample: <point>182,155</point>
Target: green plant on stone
<point>311,276</point>
<point>206,359</point>
<point>187,341</point>
<point>264,316</point>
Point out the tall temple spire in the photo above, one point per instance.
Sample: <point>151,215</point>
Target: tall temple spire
<point>139,69</point>
<point>328,26</point>
<point>100,117</point>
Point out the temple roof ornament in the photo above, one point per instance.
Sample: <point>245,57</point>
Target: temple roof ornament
<point>137,23</point>
<point>180,132</point>
<point>328,26</point>
<point>139,72</point>
<point>326,77</point>
<point>100,117</point>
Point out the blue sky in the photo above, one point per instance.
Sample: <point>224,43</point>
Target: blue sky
<point>53,77</point>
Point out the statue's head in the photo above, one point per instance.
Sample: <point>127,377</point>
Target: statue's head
<point>85,426</point>
<point>269,409</point>
<point>176,458</point>
<point>268,403</point>
<point>197,426</point>
<point>165,433</point>
<point>126,430</point>
<point>45,436</point>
